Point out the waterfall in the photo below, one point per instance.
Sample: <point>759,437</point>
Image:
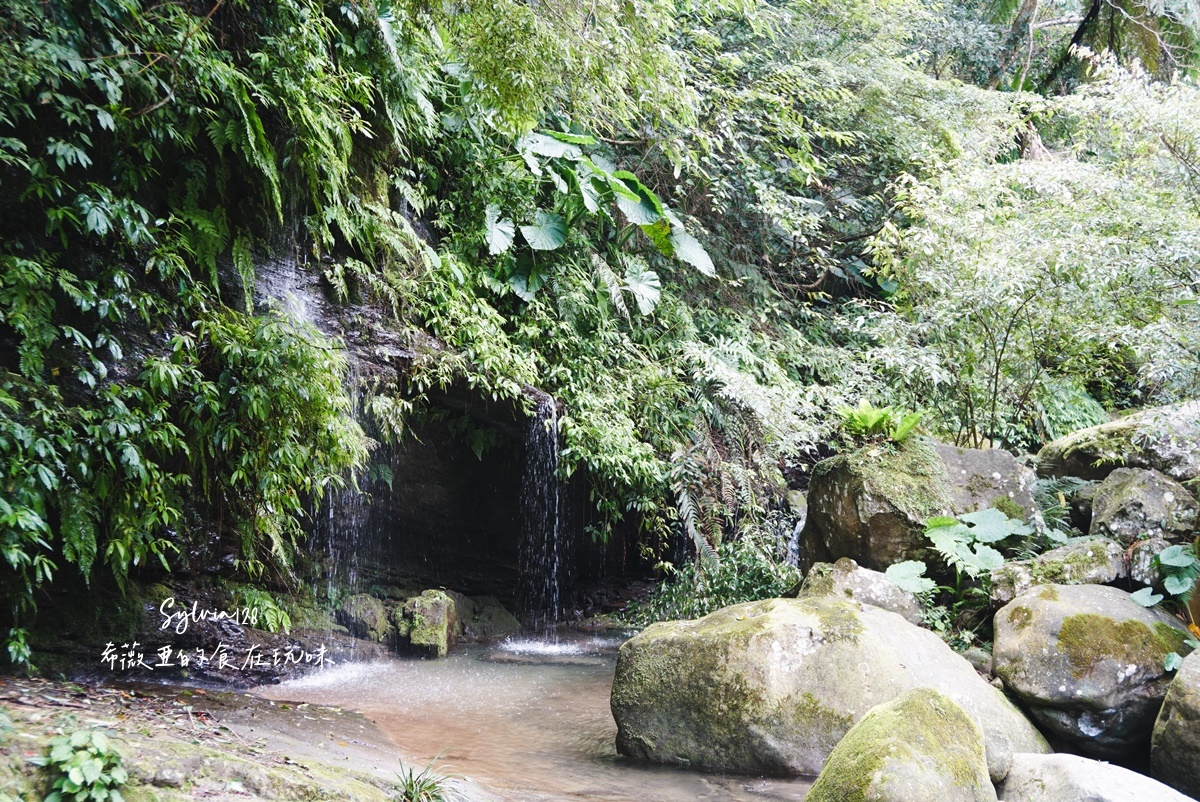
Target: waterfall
<point>543,553</point>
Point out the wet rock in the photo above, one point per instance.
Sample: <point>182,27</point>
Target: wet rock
<point>1175,747</point>
<point>1071,778</point>
<point>481,619</point>
<point>1086,561</point>
<point>1166,439</point>
<point>1087,662</point>
<point>1135,503</point>
<point>871,504</point>
<point>774,685</point>
<point>846,579</point>
<point>919,746</point>
<point>365,617</point>
<point>426,624</point>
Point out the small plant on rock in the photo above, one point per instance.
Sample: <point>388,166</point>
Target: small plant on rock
<point>867,422</point>
<point>424,785</point>
<point>85,765</point>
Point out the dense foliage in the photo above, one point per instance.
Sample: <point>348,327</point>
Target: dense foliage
<point>703,225</point>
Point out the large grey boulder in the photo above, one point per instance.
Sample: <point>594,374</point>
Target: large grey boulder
<point>846,579</point>
<point>1071,778</point>
<point>773,686</point>
<point>1166,439</point>
<point>1175,747</point>
<point>1135,503</point>
<point>871,504</point>
<point>426,624</point>
<point>1087,662</point>
<point>920,746</point>
<point>1086,561</point>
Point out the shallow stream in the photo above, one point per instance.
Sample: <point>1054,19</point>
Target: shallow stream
<point>526,719</point>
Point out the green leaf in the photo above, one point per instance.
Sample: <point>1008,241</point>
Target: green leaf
<point>548,232</point>
<point>688,249</point>
<point>905,426</point>
<point>639,205</point>
<point>910,576</point>
<point>551,147</point>
<point>574,139</point>
<point>1179,584</point>
<point>940,520</point>
<point>1146,597</point>
<point>500,232</point>
<point>643,283</point>
<point>991,525</point>
<point>1178,556</point>
<point>1172,661</point>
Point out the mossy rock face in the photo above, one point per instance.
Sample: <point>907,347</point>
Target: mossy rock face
<point>1175,747</point>
<point>427,624</point>
<point>871,505</point>
<point>366,617</point>
<point>1166,439</point>
<point>919,746</point>
<point>1090,561</point>
<point>1071,778</point>
<point>1135,503</point>
<point>774,685</point>
<point>1087,661</point>
<point>846,579</point>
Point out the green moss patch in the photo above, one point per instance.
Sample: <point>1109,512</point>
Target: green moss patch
<point>1087,640</point>
<point>911,477</point>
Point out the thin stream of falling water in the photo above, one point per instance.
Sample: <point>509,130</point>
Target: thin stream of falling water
<point>543,531</point>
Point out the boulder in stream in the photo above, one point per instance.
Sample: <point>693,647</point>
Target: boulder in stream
<point>1087,662</point>
<point>1086,561</point>
<point>1071,778</point>
<point>774,685</point>
<point>871,504</point>
<point>846,579</point>
<point>366,617</point>
<point>1175,747</point>
<point>426,624</point>
<point>1136,503</point>
<point>919,746</point>
<point>1166,439</point>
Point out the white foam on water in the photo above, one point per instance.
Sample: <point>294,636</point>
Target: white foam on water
<point>337,676</point>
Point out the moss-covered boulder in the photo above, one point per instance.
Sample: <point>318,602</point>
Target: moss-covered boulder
<point>1136,503</point>
<point>1175,747</point>
<point>365,617</point>
<point>1071,778</point>
<point>846,579</point>
<point>917,747</point>
<point>1086,561</point>
<point>481,618</point>
<point>1166,439</point>
<point>1087,662</point>
<point>774,685</point>
<point>426,624</point>
<point>871,504</point>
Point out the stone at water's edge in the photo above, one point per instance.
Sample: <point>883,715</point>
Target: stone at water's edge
<point>1087,662</point>
<point>847,580</point>
<point>365,617</point>
<point>1175,747</point>
<point>774,685</point>
<point>1090,561</point>
<point>919,746</point>
<point>426,623</point>
<point>871,504</point>
<point>1071,778</point>
<point>1166,439</point>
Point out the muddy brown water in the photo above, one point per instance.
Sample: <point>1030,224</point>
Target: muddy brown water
<point>526,719</point>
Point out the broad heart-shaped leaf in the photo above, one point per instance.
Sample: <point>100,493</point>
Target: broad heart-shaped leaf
<point>1172,661</point>
<point>549,231</point>
<point>548,146</point>
<point>1179,584</point>
<point>984,558</point>
<point>528,278</point>
<point>639,205</point>
<point>940,520</point>
<point>643,284</point>
<point>688,249</point>
<point>909,576</point>
<point>991,525</point>
<point>1178,556</point>
<point>500,232</point>
<point>1146,597</point>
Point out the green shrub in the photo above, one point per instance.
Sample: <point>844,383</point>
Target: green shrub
<point>84,766</point>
